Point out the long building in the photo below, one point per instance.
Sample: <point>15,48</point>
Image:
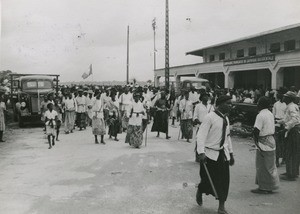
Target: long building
<point>269,59</point>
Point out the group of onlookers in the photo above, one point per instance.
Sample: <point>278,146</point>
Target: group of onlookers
<point>277,135</point>
<point>252,95</point>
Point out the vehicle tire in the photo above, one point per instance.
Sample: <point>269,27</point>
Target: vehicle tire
<point>21,122</point>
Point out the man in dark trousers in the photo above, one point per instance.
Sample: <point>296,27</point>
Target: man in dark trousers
<point>215,151</point>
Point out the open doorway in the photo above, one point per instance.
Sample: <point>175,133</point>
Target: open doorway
<point>252,79</point>
<point>291,77</point>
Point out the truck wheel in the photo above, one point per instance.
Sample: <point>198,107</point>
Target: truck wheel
<point>21,122</point>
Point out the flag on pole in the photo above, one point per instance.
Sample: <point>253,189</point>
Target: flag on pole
<point>86,75</point>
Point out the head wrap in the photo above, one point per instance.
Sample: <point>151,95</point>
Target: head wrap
<point>290,94</point>
<point>264,102</point>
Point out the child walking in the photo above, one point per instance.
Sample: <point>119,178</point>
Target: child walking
<point>57,107</point>
<point>50,122</point>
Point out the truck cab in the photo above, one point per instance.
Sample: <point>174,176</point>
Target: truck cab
<point>188,82</point>
<point>29,92</point>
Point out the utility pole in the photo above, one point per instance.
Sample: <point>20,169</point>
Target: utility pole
<point>167,68</point>
<point>154,48</point>
<point>127,64</point>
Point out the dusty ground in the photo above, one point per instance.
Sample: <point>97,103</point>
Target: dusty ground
<point>78,176</point>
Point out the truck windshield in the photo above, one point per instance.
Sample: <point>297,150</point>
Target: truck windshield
<point>37,84</point>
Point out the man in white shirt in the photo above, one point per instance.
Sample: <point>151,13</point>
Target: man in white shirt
<point>201,110</point>
<point>175,113</point>
<point>186,122</point>
<point>215,150</point>
<point>194,96</point>
<point>279,108</point>
<point>70,108</point>
<point>81,110</point>
<point>266,172</point>
<point>147,97</point>
<point>147,94</point>
<point>105,98</point>
<point>125,102</point>
<point>278,112</point>
<point>98,123</point>
<point>291,123</point>
<point>89,104</point>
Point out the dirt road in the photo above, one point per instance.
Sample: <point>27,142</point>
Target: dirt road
<point>78,176</point>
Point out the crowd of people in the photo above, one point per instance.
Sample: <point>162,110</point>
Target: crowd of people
<point>80,107</point>
<point>203,118</point>
<point>122,109</point>
<point>283,141</point>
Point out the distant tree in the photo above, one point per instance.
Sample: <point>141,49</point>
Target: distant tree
<point>4,75</point>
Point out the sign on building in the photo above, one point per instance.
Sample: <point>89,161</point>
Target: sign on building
<point>248,60</point>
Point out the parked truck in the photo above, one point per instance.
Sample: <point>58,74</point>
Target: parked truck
<point>27,93</point>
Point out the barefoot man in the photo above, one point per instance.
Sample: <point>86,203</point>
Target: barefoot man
<point>215,151</point>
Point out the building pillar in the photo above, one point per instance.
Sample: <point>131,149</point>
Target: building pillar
<point>156,81</point>
<point>229,80</point>
<point>279,78</point>
<point>276,78</point>
<point>273,80</point>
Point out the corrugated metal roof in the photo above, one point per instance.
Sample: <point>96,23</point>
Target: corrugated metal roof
<point>199,52</point>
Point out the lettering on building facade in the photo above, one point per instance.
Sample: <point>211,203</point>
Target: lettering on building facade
<point>248,60</point>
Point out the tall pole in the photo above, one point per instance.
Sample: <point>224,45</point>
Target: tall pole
<point>127,64</point>
<point>154,48</point>
<point>167,69</point>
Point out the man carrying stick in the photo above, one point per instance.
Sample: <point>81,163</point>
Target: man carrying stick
<point>215,151</point>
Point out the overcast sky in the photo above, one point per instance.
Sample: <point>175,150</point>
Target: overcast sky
<point>66,36</point>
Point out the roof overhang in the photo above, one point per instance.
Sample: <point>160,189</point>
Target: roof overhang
<point>199,52</point>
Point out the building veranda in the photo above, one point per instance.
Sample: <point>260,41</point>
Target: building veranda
<point>269,59</point>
